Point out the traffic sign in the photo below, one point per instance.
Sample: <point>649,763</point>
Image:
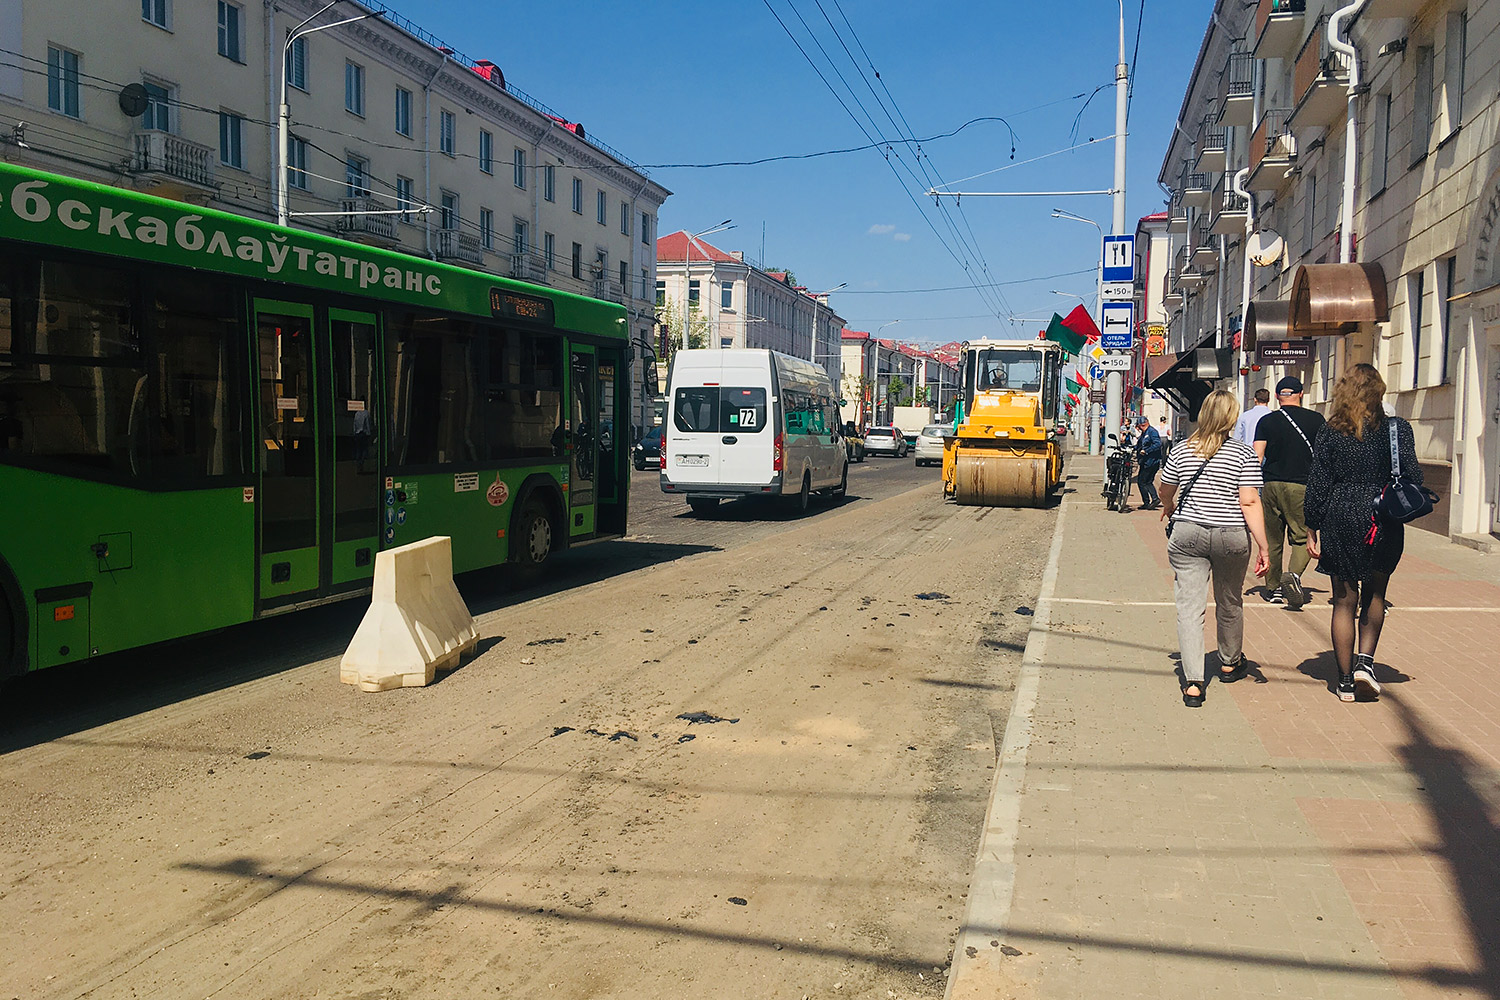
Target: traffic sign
<point>1115,362</point>
<point>1095,372</point>
<point>1117,332</point>
<point>1119,259</point>
<point>1118,291</point>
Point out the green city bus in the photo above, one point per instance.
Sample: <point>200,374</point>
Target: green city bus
<point>206,419</point>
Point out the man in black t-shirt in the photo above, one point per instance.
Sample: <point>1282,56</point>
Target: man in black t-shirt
<point>1284,441</point>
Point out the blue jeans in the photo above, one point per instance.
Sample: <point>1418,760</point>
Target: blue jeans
<point>1147,482</point>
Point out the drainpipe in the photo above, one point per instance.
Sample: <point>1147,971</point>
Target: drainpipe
<point>1351,54</point>
<point>1240,177</point>
<point>1222,303</point>
<point>427,157</point>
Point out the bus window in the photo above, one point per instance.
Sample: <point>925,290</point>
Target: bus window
<point>522,396</point>
<point>432,375</point>
<point>73,391</point>
<point>199,326</point>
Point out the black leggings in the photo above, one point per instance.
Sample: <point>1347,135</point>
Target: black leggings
<point>1362,603</point>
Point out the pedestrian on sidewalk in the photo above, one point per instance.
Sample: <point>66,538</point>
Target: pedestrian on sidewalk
<point>1351,466</point>
<point>1244,428</point>
<point>1148,461</point>
<point>1211,522</point>
<point>1166,438</point>
<point>1283,441</point>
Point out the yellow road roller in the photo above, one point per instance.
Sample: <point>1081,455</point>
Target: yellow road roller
<point>1005,449</point>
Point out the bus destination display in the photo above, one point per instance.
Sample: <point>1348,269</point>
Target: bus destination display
<point>514,305</point>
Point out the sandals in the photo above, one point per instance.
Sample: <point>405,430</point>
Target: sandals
<point>1194,700</point>
<point>1235,672</point>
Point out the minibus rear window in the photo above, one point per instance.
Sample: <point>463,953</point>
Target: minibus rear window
<point>715,410</point>
<point>696,409</point>
<point>742,410</point>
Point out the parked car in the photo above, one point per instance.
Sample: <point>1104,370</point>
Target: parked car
<point>647,450</point>
<point>855,441</point>
<point>929,448</point>
<point>885,441</point>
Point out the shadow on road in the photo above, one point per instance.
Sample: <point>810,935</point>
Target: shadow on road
<point>750,509</point>
<point>60,701</point>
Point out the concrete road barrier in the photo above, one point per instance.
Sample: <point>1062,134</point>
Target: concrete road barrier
<point>417,623</point>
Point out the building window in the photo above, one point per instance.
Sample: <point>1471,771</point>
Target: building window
<point>404,200</point>
<point>1456,40</point>
<point>62,82</point>
<point>296,163</point>
<point>549,250</point>
<point>155,12</point>
<point>1421,112</point>
<point>645,284</point>
<point>403,112</point>
<point>230,19</point>
<point>158,116</point>
<point>1450,278</point>
<point>549,182</point>
<point>692,293</point>
<point>447,132</point>
<point>578,260</point>
<point>1310,212</point>
<point>661,292</point>
<point>1415,292</point>
<point>518,168</point>
<point>1380,137</point>
<point>354,88</point>
<point>448,211</point>
<point>726,295</point>
<point>486,152</point>
<point>487,229</point>
<point>646,228</point>
<point>296,64</point>
<point>578,195</point>
<point>601,209</point>
<point>356,176</point>
<point>231,140</point>
<point>624,218</point>
<point>520,235</point>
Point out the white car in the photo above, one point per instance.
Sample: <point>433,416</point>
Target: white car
<point>885,441</point>
<point>929,447</point>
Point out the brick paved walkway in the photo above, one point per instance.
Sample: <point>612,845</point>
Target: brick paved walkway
<point>1276,842</point>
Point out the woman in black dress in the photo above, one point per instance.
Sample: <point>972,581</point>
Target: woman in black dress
<point>1351,465</point>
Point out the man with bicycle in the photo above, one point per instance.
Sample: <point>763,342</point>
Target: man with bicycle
<point>1284,441</point>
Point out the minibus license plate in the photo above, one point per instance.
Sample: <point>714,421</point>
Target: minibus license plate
<point>697,460</point>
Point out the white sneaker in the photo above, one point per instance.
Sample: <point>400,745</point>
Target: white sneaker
<point>1364,675</point>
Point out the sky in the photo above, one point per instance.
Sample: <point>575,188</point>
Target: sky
<point>693,83</point>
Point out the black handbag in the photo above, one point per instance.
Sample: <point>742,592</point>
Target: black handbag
<point>1401,500</point>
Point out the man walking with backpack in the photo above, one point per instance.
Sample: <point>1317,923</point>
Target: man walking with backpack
<point>1284,441</point>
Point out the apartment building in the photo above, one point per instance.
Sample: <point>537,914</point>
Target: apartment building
<point>396,139</point>
<point>1268,104</point>
<point>732,302</point>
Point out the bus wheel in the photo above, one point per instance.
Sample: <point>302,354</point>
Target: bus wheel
<point>534,534</point>
<point>804,495</point>
<point>843,487</point>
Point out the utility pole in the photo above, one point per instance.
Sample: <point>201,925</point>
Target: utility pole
<point>1114,381</point>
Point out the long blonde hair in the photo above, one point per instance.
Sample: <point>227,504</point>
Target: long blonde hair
<point>1216,419</point>
<point>1355,404</point>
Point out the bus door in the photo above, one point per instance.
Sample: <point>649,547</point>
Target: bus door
<point>319,492</point>
<point>614,441</point>
<point>584,435</point>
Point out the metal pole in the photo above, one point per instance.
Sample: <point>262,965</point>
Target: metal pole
<point>1351,124</point>
<point>1114,381</point>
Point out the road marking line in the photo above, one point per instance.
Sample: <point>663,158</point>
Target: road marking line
<point>1256,606</point>
<point>993,885</point>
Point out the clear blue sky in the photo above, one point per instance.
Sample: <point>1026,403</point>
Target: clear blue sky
<point>671,82</point>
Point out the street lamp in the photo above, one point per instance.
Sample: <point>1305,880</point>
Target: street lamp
<point>284,121</point>
<point>817,298</point>
<point>687,276</point>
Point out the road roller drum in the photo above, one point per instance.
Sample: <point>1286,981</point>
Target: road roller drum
<point>994,478</point>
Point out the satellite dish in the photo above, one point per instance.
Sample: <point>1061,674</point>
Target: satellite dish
<point>1265,247</point>
<point>134,100</point>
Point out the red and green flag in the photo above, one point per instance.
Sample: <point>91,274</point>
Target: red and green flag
<point>1060,333</point>
<point>1081,323</point>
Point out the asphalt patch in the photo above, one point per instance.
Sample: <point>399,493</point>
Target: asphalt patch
<point>704,718</point>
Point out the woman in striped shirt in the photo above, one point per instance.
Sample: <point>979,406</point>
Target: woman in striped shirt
<point>1210,494</point>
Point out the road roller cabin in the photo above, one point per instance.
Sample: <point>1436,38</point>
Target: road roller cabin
<point>1005,449</point>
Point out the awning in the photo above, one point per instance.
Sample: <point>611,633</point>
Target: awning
<point>1266,319</point>
<point>1332,299</point>
<point>1176,377</point>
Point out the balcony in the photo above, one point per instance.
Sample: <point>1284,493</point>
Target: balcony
<point>1205,247</point>
<point>1189,274</point>
<point>1391,8</point>
<point>1320,82</point>
<point>1195,190</point>
<point>357,224</point>
<point>528,266</point>
<point>1177,215</point>
<point>1239,90</point>
<point>1230,210</point>
<point>1278,28</point>
<point>172,167</point>
<point>1273,150</point>
<point>609,291</point>
<point>453,245</point>
<point>1212,146</point>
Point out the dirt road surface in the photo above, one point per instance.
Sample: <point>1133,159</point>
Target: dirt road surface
<point>551,819</point>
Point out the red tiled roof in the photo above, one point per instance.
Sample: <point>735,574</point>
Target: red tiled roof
<point>1153,217</point>
<point>674,246</point>
<point>848,334</point>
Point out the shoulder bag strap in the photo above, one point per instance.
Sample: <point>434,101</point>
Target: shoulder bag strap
<point>1395,452</point>
<point>1182,500</point>
<point>1296,428</point>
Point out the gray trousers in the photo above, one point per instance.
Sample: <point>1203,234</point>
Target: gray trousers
<point>1195,553</point>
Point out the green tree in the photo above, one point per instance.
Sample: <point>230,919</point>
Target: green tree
<point>920,396</point>
<point>668,316</point>
<point>895,391</point>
